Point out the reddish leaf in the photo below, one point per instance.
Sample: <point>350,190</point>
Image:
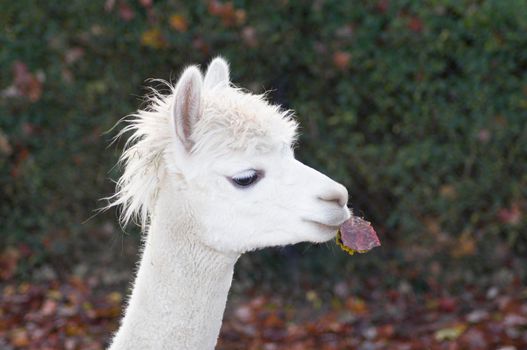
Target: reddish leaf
<point>358,235</point>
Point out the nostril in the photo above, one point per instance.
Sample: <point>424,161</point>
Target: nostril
<point>338,194</point>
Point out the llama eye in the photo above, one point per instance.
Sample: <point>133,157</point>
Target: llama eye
<point>246,178</point>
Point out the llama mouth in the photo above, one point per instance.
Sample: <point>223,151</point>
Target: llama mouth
<point>325,227</point>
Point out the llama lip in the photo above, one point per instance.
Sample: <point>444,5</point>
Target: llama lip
<point>328,230</point>
<point>333,219</point>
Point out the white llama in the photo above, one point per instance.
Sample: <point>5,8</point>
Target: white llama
<point>211,174</point>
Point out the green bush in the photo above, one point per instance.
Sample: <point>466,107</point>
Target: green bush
<point>420,108</point>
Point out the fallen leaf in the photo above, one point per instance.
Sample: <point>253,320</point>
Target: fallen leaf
<point>450,333</point>
<point>356,306</point>
<point>477,316</point>
<point>447,304</point>
<point>20,338</point>
<point>115,297</point>
<point>244,313</point>
<point>49,307</point>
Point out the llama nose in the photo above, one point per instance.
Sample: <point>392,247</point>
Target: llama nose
<point>338,194</point>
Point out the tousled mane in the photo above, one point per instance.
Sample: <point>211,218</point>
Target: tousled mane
<point>142,158</point>
<point>233,120</point>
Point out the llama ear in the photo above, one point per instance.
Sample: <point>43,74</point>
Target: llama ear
<point>187,104</point>
<point>217,73</point>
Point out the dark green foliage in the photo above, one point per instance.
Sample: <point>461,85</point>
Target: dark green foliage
<point>419,108</point>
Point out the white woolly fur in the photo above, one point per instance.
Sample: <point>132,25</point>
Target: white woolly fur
<point>181,168</point>
<point>225,126</point>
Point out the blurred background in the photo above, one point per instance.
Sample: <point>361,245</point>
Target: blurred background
<point>419,108</point>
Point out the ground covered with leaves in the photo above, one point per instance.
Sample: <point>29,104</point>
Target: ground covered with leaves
<point>418,108</point>
<point>80,310</point>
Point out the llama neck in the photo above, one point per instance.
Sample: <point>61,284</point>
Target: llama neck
<point>181,287</point>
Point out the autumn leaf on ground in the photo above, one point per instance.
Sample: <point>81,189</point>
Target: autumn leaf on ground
<point>450,333</point>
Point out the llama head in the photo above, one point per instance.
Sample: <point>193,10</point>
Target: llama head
<point>229,155</point>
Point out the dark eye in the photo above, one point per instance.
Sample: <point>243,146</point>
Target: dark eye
<point>246,178</point>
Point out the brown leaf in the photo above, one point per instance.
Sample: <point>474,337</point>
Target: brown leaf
<point>447,304</point>
<point>244,313</point>
<point>49,308</point>
<point>20,338</point>
<point>356,305</point>
<point>273,320</point>
<point>450,333</point>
